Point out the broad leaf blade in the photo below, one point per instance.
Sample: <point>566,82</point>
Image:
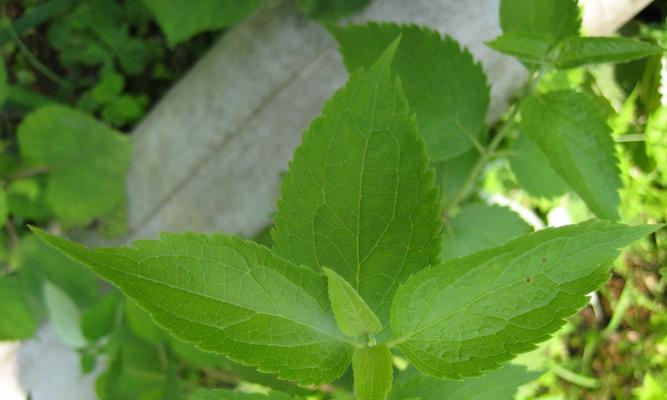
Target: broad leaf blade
<point>353,316</point>
<point>571,130</point>
<point>480,226</point>
<point>181,20</point>
<point>373,372</point>
<point>468,315</point>
<point>228,296</point>
<point>552,19</point>
<point>497,385</point>
<point>533,171</point>
<point>359,196</point>
<point>447,90</point>
<point>87,162</point>
<point>527,47</point>
<point>576,51</point>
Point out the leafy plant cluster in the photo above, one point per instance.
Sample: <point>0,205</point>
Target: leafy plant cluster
<point>388,274</point>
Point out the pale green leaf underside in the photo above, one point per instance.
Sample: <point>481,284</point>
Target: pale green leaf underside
<point>373,372</point>
<point>497,385</point>
<point>228,296</point>
<point>87,162</point>
<point>359,197</point>
<point>479,226</point>
<point>181,20</point>
<point>446,88</point>
<point>572,131</point>
<point>64,315</point>
<point>468,315</point>
<point>576,51</point>
<point>353,316</point>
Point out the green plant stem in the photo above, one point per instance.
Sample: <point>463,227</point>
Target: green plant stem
<point>573,377</point>
<point>490,151</point>
<point>35,17</point>
<point>34,61</point>
<point>622,306</point>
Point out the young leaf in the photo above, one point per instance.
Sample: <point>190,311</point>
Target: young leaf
<point>533,171</point>
<point>446,88</point>
<point>373,372</point>
<point>467,316</point>
<point>480,226</point>
<point>576,51</point>
<point>552,19</point>
<point>18,321</point>
<point>571,130</point>
<point>228,296</point>
<point>87,162</point>
<point>359,197</point>
<point>497,385</point>
<point>180,20</point>
<point>353,316</point>
<point>65,315</point>
<point>528,47</point>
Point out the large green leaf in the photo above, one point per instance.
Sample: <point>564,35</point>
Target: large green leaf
<point>18,320</point>
<point>576,51</point>
<point>180,20</point>
<point>533,171</point>
<point>571,129</point>
<point>87,162</point>
<point>353,316</point>
<point>552,19</point>
<point>497,385</point>
<point>373,372</point>
<point>469,315</point>
<point>479,226</point>
<point>359,197</point>
<point>228,296</point>
<point>445,87</point>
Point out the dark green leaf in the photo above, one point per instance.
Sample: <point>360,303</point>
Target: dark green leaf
<point>445,87</point>
<point>329,10</point>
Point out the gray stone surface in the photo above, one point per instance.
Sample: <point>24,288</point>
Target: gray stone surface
<point>209,156</point>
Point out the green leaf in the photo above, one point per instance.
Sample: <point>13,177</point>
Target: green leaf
<point>552,19</point>
<point>497,385</point>
<point>64,315</point>
<point>446,88</point>
<point>4,87</point>
<point>533,171</point>
<point>469,315</point>
<point>222,394</point>
<point>528,47</point>
<point>353,316</point>
<point>331,10</point>
<point>373,372</point>
<point>181,20</point>
<point>359,197</point>
<point>101,318</point>
<point>87,162</point>
<point>18,321</point>
<point>571,130</point>
<point>4,207</point>
<point>452,174</point>
<point>576,51</point>
<point>480,226</point>
<point>228,296</point>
